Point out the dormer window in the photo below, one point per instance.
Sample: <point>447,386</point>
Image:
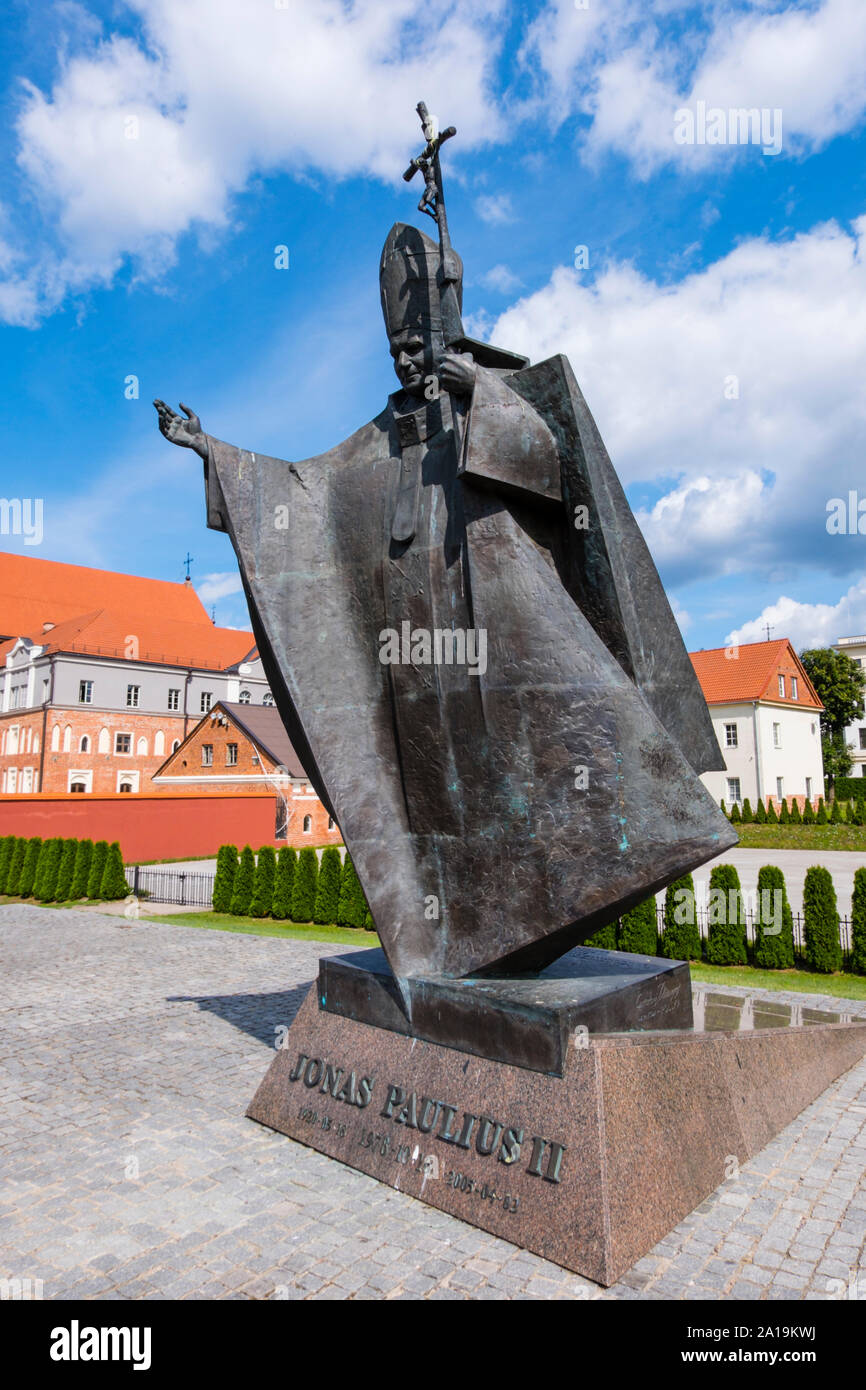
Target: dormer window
<point>781,687</point>
<point>244,697</point>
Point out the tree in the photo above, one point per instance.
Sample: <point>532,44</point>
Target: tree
<point>224,879</point>
<point>369,924</point>
<point>747,816</point>
<point>242,890</point>
<point>97,868</point>
<point>774,923</point>
<point>114,885</point>
<point>16,864</point>
<point>7,849</point>
<point>285,877</point>
<point>796,817</point>
<point>858,923</point>
<point>638,929</point>
<point>726,918</point>
<point>837,813</point>
<point>772,813</point>
<point>821,922</point>
<point>49,869</point>
<point>821,813</point>
<point>784,814</point>
<point>736,818</point>
<point>605,938</point>
<point>304,886</point>
<point>760,812</point>
<point>839,684</point>
<point>681,938</point>
<point>328,887</point>
<point>263,885</point>
<point>723,808</point>
<point>28,871</point>
<point>808,813</point>
<point>83,858</point>
<point>67,868</point>
<point>353,904</point>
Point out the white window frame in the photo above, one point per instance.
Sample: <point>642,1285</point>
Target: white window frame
<point>781,687</point>
<point>731,797</point>
<point>173,697</point>
<point>133,697</point>
<point>85,777</point>
<point>731,742</point>
<point>206,701</point>
<point>85,692</point>
<point>795,688</point>
<point>777,735</point>
<point>780,792</point>
<point>123,733</point>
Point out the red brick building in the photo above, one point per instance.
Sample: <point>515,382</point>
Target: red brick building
<point>240,747</point>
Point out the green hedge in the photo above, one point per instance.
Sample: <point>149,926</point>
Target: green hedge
<point>821,922</point>
<point>726,939</point>
<point>226,868</point>
<point>681,938</point>
<point>773,948</point>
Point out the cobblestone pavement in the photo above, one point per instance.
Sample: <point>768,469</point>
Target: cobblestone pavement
<point>128,1169</point>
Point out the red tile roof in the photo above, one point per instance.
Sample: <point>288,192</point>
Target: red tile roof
<point>751,672</point>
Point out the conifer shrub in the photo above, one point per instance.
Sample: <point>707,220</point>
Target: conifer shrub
<point>726,918</point>
<point>821,813</point>
<point>328,887</point>
<point>858,923</point>
<point>7,849</point>
<point>31,863</point>
<point>808,813</point>
<point>97,868</point>
<point>723,808</point>
<point>736,818</point>
<point>760,812</point>
<point>81,873</point>
<point>16,864</point>
<point>837,813</point>
<point>821,922</point>
<point>263,884</point>
<point>638,929</point>
<point>63,892</point>
<point>681,938</point>
<point>285,877</point>
<point>747,814</point>
<point>774,931</point>
<point>605,938</point>
<point>304,886</point>
<point>114,885</point>
<point>796,817</point>
<point>242,890</point>
<point>49,868</point>
<point>224,879</point>
<point>772,813</point>
<point>353,905</point>
<point>784,814</point>
<point>369,924</point>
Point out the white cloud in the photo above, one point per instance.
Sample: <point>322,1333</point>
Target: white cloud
<point>495,208</point>
<point>622,66</point>
<point>217,586</point>
<point>808,624</point>
<point>780,328</point>
<point>139,143</point>
<point>501,280</point>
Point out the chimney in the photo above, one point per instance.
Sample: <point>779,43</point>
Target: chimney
<point>46,627</point>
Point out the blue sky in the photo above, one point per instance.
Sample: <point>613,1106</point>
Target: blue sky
<point>157,152</point>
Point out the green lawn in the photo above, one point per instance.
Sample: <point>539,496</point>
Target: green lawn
<point>798,981</point>
<point>265,926</point>
<point>815,837</point>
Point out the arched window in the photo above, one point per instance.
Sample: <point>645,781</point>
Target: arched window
<point>36,744</point>
<point>67,739</point>
<point>125,787</point>
<point>78,787</point>
<point>55,739</point>
<point>332,824</point>
<point>104,741</point>
<point>308,824</point>
<point>84,744</point>
<point>175,745</point>
<point>159,743</point>
<point>244,697</point>
<point>268,698</point>
<point>141,748</point>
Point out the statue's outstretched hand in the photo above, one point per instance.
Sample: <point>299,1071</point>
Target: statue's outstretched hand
<point>188,432</point>
<point>457,373</point>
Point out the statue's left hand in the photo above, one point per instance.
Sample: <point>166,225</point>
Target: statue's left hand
<point>457,373</point>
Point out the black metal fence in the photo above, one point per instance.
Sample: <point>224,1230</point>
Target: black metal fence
<point>166,885</point>
<point>703,914</point>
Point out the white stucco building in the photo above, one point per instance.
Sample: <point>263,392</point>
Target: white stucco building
<point>855,734</point>
<point>766,715</point>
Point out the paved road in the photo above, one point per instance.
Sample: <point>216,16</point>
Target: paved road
<point>129,1054</point>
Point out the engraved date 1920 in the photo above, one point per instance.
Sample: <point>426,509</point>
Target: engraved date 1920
<point>322,1121</point>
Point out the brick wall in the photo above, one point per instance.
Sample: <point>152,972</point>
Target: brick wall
<point>84,722</point>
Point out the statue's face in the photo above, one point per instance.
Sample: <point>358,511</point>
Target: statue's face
<point>414,359</point>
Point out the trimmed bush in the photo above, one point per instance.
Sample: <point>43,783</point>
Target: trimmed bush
<point>63,891</point>
<point>224,879</point>
<point>856,813</point>
<point>821,813</point>
<point>736,818</point>
<point>772,813</point>
<point>283,882</point>
<point>81,873</point>
<point>760,813</point>
<point>638,929</point>
<point>353,904</point>
<point>605,938</point>
<point>263,884</point>
<point>97,868</point>
<point>808,813</point>
<point>7,849</point>
<point>773,950</point>
<point>726,918</point>
<point>784,814</point>
<point>837,813</point>
<point>681,939</point>
<point>49,868</point>
<point>796,818</point>
<point>114,885</point>
<point>850,788</point>
<point>858,923</point>
<point>747,814</point>
<point>16,864</point>
<point>242,890</point>
<point>328,887</point>
<point>31,863</point>
<point>723,808</point>
<point>304,886</point>
<point>821,922</point>
<point>369,924</point>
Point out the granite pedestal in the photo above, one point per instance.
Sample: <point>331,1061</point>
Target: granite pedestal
<point>584,1146</point>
